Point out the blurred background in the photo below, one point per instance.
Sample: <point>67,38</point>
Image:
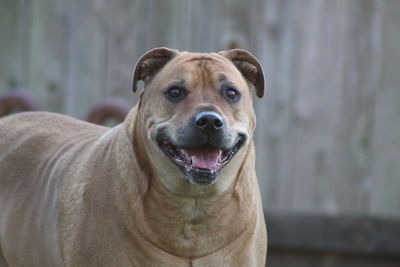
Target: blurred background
<point>328,137</point>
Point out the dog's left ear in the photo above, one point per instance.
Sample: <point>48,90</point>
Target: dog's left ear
<point>249,66</point>
<point>150,63</point>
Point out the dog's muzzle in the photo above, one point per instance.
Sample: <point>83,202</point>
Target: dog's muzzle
<point>202,147</point>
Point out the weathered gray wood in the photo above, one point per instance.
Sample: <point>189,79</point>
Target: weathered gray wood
<point>202,25</point>
<point>126,42</point>
<point>49,33</point>
<point>87,53</point>
<point>315,129</point>
<point>314,102</point>
<point>333,119</point>
<point>275,41</point>
<point>12,43</point>
<point>385,188</point>
<point>354,134</point>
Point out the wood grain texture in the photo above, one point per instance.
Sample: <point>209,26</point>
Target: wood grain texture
<point>385,191</point>
<point>13,36</point>
<point>48,53</point>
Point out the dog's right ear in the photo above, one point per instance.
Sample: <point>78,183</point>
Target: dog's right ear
<point>150,63</point>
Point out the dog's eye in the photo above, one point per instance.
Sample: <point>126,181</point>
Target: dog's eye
<point>231,94</point>
<point>175,93</point>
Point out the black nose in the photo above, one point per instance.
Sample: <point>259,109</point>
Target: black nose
<point>209,122</point>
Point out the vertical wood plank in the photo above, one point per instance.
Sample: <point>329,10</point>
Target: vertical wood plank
<point>171,25</point>
<point>203,30</point>
<point>352,148</point>
<point>126,42</point>
<point>48,52</point>
<point>310,124</point>
<point>12,27</point>
<point>87,52</point>
<point>275,41</point>
<point>386,143</point>
<point>234,25</point>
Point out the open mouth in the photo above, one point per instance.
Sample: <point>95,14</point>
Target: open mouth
<point>201,164</point>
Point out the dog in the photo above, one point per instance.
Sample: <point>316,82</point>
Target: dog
<point>173,185</point>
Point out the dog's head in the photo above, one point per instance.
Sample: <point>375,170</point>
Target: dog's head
<point>197,108</point>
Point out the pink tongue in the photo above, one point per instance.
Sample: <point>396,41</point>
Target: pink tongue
<point>204,157</point>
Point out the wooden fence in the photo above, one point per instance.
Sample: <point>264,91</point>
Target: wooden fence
<point>328,136</point>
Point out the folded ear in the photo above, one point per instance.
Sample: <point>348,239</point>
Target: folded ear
<point>150,63</point>
<point>249,66</point>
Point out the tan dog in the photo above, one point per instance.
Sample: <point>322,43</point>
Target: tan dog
<point>173,185</point>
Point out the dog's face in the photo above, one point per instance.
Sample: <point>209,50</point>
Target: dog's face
<point>197,109</point>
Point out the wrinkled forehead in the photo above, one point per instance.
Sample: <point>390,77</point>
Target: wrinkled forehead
<point>212,67</point>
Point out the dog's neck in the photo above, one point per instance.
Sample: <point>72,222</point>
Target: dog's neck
<point>191,226</point>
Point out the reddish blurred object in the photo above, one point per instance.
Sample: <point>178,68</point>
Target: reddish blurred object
<point>109,109</point>
<point>15,101</point>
